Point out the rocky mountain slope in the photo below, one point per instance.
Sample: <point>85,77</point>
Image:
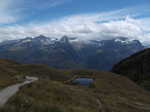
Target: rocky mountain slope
<point>136,67</point>
<point>69,52</point>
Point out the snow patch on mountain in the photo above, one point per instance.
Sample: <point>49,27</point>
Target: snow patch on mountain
<point>126,41</point>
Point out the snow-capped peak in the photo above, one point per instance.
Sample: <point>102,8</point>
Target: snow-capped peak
<point>123,40</point>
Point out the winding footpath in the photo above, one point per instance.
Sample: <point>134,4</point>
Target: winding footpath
<point>8,92</point>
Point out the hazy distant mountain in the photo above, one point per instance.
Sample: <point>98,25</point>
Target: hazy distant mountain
<point>69,52</point>
<point>104,54</point>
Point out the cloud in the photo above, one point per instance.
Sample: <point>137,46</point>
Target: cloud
<point>104,25</point>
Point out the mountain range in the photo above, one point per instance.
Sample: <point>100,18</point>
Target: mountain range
<point>55,90</point>
<point>69,52</point>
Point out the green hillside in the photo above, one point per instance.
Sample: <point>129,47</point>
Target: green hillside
<point>54,91</point>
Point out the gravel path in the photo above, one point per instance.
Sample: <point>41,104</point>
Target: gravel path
<point>8,92</point>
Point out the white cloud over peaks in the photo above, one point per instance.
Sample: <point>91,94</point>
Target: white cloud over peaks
<point>103,25</point>
<point>85,28</point>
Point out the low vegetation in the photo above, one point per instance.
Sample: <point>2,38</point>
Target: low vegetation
<point>136,67</point>
<point>109,92</point>
<point>7,73</point>
<point>12,72</point>
<point>52,96</point>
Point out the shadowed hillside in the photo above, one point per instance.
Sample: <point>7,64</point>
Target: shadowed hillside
<point>136,67</point>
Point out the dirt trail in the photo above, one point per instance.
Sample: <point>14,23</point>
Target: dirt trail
<point>8,92</point>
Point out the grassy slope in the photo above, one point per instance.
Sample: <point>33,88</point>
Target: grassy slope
<point>7,73</point>
<point>116,93</point>
<point>53,97</point>
<point>119,94</point>
<point>12,72</point>
<point>136,67</point>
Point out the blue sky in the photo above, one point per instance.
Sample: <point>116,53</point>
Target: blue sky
<point>86,6</point>
<point>43,10</point>
<point>82,18</point>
